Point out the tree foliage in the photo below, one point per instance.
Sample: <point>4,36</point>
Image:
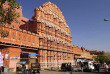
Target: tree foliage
<point>107,54</point>
<point>8,15</point>
<point>101,58</point>
<point>4,33</point>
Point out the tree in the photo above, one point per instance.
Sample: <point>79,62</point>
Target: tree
<point>107,54</point>
<point>101,58</point>
<point>8,15</point>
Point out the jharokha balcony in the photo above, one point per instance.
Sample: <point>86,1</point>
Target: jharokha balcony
<point>19,38</point>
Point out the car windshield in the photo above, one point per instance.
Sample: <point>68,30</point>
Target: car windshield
<point>64,64</point>
<point>90,63</point>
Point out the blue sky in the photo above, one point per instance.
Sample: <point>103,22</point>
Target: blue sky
<point>85,19</point>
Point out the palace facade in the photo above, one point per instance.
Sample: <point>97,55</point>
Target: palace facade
<point>47,35</point>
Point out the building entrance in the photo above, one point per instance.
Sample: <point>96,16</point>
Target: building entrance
<point>28,58</point>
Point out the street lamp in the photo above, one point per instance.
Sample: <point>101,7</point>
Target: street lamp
<point>106,20</point>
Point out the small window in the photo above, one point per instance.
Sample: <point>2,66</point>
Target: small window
<point>24,38</point>
<point>29,39</point>
<point>19,36</point>
<point>33,40</point>
<point>13,35</point>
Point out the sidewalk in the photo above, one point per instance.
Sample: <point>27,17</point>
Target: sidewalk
<point>9,73</point>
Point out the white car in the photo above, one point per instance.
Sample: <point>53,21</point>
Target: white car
<point>88,66</point>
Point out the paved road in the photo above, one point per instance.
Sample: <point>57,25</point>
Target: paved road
<point>60,72</point>
<point>54,72</point>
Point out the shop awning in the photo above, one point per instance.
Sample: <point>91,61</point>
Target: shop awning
<point>28,53</point>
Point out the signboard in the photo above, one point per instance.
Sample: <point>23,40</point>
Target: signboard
<point>1,60</point>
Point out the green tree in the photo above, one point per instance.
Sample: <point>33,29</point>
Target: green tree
<point>107,54</point>
<point>8,15</point>
<point>101,58</point>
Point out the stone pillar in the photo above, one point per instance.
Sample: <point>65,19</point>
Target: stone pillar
<point>41,58</point>
<point>62,58</point>
<point>58,58</point>
<point>48,59</point>
<point>44,58</point>
<point>55,59</point>
<point>52,60</point>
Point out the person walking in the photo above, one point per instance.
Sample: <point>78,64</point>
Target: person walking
<point>23,68</point>
<point>70,68</point>
<point>0,70</point>
<point>106,68</point>
<point>98,67</point>
<point>82,66</point>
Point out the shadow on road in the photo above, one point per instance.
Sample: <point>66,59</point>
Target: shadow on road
<point>99,72</point>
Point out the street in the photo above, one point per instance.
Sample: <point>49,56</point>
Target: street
<point>61,72</point>
<point>53,72</point>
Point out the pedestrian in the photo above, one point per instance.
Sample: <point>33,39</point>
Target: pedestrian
<point>95,65</point>
<point>109,67</point>
<point>23,68</point>
<point>0,70</point>
<point>70,68</point>
<point>106,68</point>
<point>104,65</point>
<point>82,66</point>
<point>98,67</point>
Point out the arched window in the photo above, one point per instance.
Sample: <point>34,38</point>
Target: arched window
<point>13,35</point>
<point>19,37</point>
<point>33,40</point>
<point>29,39</point>
<point>24,38</point>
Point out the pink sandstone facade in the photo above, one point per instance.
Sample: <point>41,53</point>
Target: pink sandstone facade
<point>47,35</point>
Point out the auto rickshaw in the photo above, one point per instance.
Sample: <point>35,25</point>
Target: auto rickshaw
<point>19,67</point>
<point>35,68</point>
<point>66,67</point>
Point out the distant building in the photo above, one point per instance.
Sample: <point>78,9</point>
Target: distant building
<point>85,55</point>
<point>95,52</point>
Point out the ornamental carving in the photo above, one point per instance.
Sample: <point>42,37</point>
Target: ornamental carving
<point>52,13</point>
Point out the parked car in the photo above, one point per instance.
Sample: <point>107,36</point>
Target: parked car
<point>88,66</point>
<point>64,66</point>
